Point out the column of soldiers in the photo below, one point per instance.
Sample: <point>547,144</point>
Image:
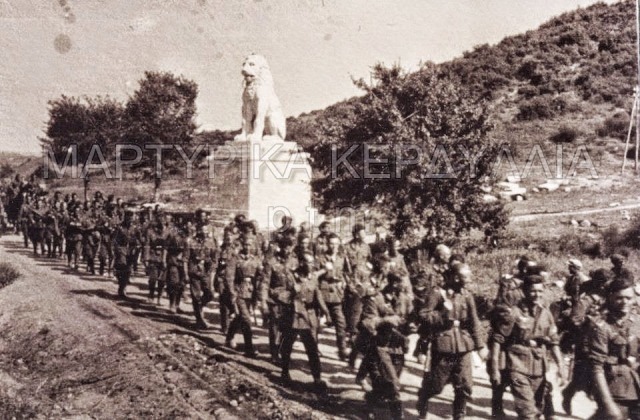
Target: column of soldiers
<point>373,296</point>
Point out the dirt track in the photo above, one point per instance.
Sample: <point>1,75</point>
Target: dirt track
<point>68,349</point>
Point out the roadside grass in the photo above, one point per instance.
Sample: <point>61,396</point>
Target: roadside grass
<point>8,274</point>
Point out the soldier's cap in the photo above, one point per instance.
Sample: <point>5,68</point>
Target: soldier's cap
<point>357,228</point>
<point>601,276</point>
<point>619,284</point>
<point>617,259</point>
<point>199,211</point>
<point>533,279</point>
<point>239,219</point>
<point>383,258</point>
<point>574,262</point>
<point>324,224</point>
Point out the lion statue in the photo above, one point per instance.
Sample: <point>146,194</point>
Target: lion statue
<point>261,110</point>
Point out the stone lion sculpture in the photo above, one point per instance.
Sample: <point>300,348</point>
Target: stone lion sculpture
<point>261,110</point>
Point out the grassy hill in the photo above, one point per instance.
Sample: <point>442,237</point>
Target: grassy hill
<point>570,81</point>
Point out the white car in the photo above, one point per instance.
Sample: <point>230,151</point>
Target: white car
<point>511,191</point>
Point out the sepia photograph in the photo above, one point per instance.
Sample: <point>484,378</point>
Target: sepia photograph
<point>320,209</point>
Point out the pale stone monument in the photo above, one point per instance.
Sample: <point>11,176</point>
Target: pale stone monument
<point>259,174</point>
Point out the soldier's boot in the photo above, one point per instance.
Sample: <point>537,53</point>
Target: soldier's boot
<point>423,403</point>
<point>497,408</point>
<point>177,303</point>
<point>197,311</point>
<point>567,396</point>
<point>172,303</point>
<point>101,267</point>
<point>548,411</point>
<point>396,410</point>
<point>459,406</point>
<point>152,291</point>
<point>159,291</point>
<point>249,350</point>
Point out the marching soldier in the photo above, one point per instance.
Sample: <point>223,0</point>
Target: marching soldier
<point>155,256</point>
<point>276,275</point>
<point>525,333</point>
<point>384,322</point>
<point>331,264</point>
<point>451,317</point>
<point>241,278</point>
<point>588,305</point>
<point>124,239</point>
<point>301,300</point>
<point>321,242</point>
<point>613,354</point>
<point>175,274</point>
<point>358,270</point>
<point>200,259</point>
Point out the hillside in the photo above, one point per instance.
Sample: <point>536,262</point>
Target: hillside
<point>567,78</point>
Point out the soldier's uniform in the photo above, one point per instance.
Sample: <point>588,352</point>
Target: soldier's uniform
<point>90,241</point>
<point>358,261</point>
<point>276,274</point>
<point>175,276</point>
<point>124,242</point>
<point>227,251</point>
<point>301,300</point>
<point>241,282</point>
<point>73,238</point>
<point>201,256</point>
<point>155,254</point>
<point>613,351</point>
<point>106,225</point>
<point>453,322</point>
<point>36,228</point>
<point>332,287</point>
<point>383,318</point>
<point>525,333</point>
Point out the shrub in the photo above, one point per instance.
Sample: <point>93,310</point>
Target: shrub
<point>8,274</point>
<point>541,107</point>
<point>615,126</point>
<point>565,134</point>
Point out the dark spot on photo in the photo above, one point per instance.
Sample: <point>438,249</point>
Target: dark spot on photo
<point>62,3</point>
<point>328,37</point>
<point>219,55</point>
<point>200,29</point>
<point>70,18</point>
<point>202,3</point>
<point>62,43</point>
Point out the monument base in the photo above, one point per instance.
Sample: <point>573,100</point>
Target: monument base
<point>265,181</point>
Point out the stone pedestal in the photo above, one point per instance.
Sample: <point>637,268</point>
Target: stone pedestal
<point>264,181</point>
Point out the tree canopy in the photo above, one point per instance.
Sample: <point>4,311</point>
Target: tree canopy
<point>415,148</point>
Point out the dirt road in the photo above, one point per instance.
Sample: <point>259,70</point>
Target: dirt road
<point>69,349</point>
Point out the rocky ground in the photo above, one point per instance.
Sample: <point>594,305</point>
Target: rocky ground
<point>69,349</point>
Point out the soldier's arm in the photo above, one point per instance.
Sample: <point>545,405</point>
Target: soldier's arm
<point>430,315</point>
<point>321,303</point>
<point>477,331</point>
<point>230,276</point>
<point>186,255</point>
<point>597,356</point>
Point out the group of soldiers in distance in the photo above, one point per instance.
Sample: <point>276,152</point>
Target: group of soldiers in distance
<point>372,294</point>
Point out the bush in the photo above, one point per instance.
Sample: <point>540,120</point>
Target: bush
<point>565,134</point>
<point>8,274</point>
<point>541,107</point>
<point>615,126</point>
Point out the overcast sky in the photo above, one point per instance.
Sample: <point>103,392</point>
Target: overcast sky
<point>314,47</point>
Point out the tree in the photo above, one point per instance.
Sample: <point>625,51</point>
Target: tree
<point>425,118</point>
<point>161,112</point>
<point>83,123</point>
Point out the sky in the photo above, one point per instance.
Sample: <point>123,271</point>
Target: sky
<point>314,48</point>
